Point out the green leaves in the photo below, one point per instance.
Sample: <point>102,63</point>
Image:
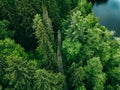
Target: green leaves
<point>45,80</point>
<point>3,65</point>
<point>0,87</point>
<point>19,73</point>
<point>4,32</point>
<point>88,77</point>
<point>9,48</point>
<point>78,77</point>
<point>93,49</point>
<point>45,47</point>
<point>84,7</point>
<point>94,74</point>
<point>91,53</point>
<point>73,48</point>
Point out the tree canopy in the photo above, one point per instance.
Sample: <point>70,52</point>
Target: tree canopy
<point>56,45</point>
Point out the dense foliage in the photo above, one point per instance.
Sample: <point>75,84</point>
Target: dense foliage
<point>56,45</point>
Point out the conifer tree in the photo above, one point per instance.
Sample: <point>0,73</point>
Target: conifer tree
<point>19,73</point>
<point>45,47</point>
<point>4,30</point>
<point>86,39</point>
<point>44,80</point>
<point>8,48</point>
<point>48,25</point>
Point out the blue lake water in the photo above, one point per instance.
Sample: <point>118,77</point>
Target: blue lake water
<point>109,14</point>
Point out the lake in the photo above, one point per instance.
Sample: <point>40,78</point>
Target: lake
<point>109,14</point>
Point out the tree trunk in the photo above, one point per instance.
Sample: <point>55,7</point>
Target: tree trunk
<point>59,57</point>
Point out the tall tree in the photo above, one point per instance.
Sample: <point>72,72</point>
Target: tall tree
<point>48,25</point>
<point>23,26</point>
<point>45,80</point>
<point>95,75</point>
<point>19,73</point>
<point>86,39</point>
<point>8,48</point>
<point>53,12</point>
<point>45,47</point>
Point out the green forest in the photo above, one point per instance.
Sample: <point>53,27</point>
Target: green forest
<point>56,45</point>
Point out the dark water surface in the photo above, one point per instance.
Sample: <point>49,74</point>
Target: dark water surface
<point>109,14</point>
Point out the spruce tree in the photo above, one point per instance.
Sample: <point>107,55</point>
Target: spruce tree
<point>45,47</point>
